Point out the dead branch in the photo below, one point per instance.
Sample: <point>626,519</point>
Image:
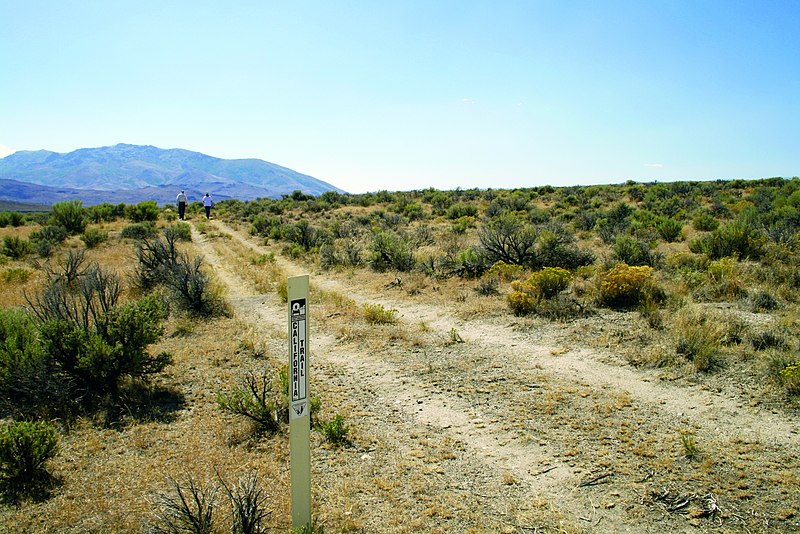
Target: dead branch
<point>647,476</point>
<point>543,471</point>
<point>596,479</point>
<point>396,283</point>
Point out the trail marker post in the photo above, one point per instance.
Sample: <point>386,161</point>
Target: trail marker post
<point>299,405</point>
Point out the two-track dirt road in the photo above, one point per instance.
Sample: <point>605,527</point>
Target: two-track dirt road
<point>475,423</point>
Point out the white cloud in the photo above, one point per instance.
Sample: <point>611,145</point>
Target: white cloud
<point>654,165</point>
<point>466,100</point>
<point>5,151</point>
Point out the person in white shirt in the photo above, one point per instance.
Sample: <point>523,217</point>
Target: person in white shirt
<point>207,203</point>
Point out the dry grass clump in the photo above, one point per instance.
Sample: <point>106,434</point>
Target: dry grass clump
<point>725,280</point>
<point>266,272</point>
<point>698,337</point>
<point>251,342</point>
<point>335,304</point>
<point>16,280</point>
<point>690,449</point>
<point>377,314</point>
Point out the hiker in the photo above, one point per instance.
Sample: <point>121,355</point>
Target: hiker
<point>182,200</point>
<point>207,203</point>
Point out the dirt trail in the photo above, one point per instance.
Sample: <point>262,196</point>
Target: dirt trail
<point>713,413</point>
<point>399,399</point>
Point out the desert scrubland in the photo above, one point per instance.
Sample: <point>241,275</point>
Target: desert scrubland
<point>620,358</point>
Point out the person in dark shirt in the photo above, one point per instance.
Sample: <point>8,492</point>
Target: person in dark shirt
<point>182,200</point>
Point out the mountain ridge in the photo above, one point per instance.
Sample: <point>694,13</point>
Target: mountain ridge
<point>109,172</point>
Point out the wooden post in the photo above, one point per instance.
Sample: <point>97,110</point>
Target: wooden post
<point>299,405</point>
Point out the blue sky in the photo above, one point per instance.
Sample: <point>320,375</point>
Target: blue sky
<point>405,95</point>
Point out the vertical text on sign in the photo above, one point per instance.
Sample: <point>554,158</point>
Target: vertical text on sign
<point>299,373</point>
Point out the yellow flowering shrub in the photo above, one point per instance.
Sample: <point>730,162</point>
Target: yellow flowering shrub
<point>791,378</point>
<point>520,301</point>
<point>550,281</point>
<point>625,285</point>
<point>540,285</point>
<point>504,271</point>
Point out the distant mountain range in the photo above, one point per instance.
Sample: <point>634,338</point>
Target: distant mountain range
<point>134,173</point>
